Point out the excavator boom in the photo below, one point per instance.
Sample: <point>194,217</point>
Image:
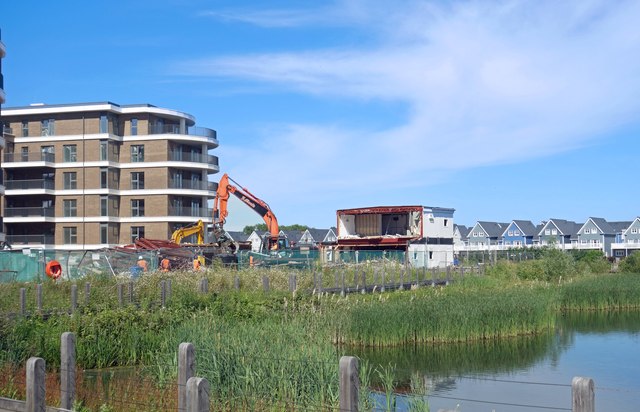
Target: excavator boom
<point>220,211</point>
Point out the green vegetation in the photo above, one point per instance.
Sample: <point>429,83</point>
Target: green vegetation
<point>269,351</point>
<point>262,227</point>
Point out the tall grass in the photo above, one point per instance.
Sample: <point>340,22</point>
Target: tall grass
<point>603,292</point>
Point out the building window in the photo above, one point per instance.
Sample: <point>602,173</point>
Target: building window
<point>104,206</point>
<point>70,180</point>
<point>48,127</point>
<point>554,231</point>
<point>70,207</point>
<point>104,178</point>
<point>70,235</point>
<point>137,153</point>
<point>104,124</point>
<point>516,233</point>
<point>137,232</point>
<point>634,230</point>
<point>104,233</point>
<point>445,222</point>
<point>47,153</point>
<point>547,232</point>
<point>25,128</point>
<point>137,207</point>
<point>70,152</point>
<point>134,127</point>
<point>104,150</point>
<point>137,180</point>
<point>24,153</point>
<point>587,231</point>
<point>510,233</point>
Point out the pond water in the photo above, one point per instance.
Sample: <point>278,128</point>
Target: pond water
<point>526,374</point>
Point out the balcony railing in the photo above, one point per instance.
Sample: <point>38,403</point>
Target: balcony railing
<point>193,185</point>
<point>190,212</point>
<point>193,157</point>
<point>30,157</point>
<point>29,212</point>
<point>30,239</point>
<point>210,134</point>
<point>30,184</point>
<point>7,131</point>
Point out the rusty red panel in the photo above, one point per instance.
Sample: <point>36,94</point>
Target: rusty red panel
<point>379,209</point>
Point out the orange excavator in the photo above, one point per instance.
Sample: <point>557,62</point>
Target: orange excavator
<point>272,243</point>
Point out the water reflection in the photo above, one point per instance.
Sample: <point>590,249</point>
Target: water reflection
<point>526,373</point>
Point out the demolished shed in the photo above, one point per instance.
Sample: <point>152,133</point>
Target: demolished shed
<point>424,233</point>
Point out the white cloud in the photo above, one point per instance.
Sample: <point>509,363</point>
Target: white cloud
<point>484,83</point>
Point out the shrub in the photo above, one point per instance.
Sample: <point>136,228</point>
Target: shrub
<point>631,263</point>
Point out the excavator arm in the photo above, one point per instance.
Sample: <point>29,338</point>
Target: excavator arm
<point>220,211</point>
<point>197,229</point>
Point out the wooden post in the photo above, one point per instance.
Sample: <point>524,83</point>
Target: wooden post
<point>336,278</point>
<point>186,370</point>
<point>364,281</point>
<point>163,293</point>
<point>320,282</point>
<point>74,298</point>
<point>67,370</point>
<point>383,280</point>
<point>293,282</point>
<point>583,395</point>
<point>120,295</point>
<point>343,291</point>
<point>35,385</point>
<point>39,296</point>
<point>169,288</point>
<point>349,383</point>
<point>204,285</point>
<point>401,287</point>
<point>87,293</point>
<point>130,292</point>
<point>433,276</point>
<point>197,395</point>
<point>23,301</point>
<point>236,282</point>
<point>448,275</point>
<point>265,283</point>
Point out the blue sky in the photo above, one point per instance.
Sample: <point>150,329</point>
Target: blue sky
<point>502,110</point>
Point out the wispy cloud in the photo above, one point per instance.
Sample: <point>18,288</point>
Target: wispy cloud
<point>483,82</point>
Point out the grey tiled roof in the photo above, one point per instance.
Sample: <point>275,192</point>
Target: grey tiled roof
<point>464,231</point>
<point>603,225</point>
<point>527,227</point>
<point>493,229</point>
<point>238,236</point>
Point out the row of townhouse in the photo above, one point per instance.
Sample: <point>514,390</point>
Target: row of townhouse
<point>614,239</point>
<point>310,238</point>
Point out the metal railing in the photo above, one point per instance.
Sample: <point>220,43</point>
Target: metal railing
<point>29,212</point>
<point>188,211</point>
<point>30,184</point>
<point>29,157</point>
<point>189,184</point>
<point>193,157</point>
<point>210,134</point>
<point>30,239</point>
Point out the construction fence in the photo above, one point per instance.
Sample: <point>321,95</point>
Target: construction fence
<point>28,265</point>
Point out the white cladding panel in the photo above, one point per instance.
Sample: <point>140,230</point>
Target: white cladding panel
<point>434,226</point>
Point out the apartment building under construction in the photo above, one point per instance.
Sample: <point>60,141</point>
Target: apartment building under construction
<point>93,175</point>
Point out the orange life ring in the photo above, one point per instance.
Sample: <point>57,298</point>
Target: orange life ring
<point>53,269</point>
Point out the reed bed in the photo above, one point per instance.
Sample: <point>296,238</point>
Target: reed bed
<point>604,292</point>
<point>438,315</point>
